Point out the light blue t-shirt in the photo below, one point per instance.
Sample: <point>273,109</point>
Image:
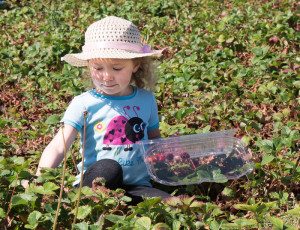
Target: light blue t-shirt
<point>113,124</point>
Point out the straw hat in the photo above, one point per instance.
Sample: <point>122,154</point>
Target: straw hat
<point>111,37</point>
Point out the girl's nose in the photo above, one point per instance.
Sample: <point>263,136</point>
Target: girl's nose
<point>107,76</point>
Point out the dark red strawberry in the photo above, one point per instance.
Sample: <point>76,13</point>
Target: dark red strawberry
<point>185,156</point>
<point>170,157</point>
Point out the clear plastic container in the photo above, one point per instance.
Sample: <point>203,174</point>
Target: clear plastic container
<point>193,159</point>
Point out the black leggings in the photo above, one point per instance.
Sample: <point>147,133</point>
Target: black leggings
<point>112,172</point>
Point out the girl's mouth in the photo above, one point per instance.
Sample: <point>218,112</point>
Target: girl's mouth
<point>108,86</point>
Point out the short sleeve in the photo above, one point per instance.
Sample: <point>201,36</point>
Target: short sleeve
<point>153,120</point>
<point>74,114</point>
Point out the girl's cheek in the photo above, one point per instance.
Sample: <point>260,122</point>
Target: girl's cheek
<point>97,75</point>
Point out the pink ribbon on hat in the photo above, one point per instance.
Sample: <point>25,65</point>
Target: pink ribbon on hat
<point>146,49</point>
<point>139,48</point>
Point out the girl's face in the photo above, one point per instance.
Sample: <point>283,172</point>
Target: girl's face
<point>112,76</point>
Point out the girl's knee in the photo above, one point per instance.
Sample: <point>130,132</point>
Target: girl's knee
<point>108,169</point>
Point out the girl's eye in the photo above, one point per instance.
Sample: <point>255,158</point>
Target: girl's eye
<point>117,69</point>
<point>97,68</point>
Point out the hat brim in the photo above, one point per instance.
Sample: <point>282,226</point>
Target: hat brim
<point>81,59</point>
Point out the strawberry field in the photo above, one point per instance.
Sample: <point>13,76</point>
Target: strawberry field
<point>229,65</point>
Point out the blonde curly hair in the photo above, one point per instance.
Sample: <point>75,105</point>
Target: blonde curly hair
<point>145,76</point>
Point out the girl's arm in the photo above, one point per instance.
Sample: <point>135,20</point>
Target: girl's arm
<point>53,154</point>
<point>155,133</point>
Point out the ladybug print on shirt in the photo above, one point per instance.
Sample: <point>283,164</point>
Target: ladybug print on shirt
<point>123,130</point>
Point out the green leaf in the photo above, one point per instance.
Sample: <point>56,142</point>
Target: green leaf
<point>83,211</point>
<point>3,139</point>
<point>161,226</point>
<point>246,207</point>
<point>3,123</point>
<point>218,177</point>
<point>173,201</point>
<point>221,38</point>
<point>18,160</point>
<point>2,213</point>
<point>87,191</point>
<point>176,224</point>
<point>206,129</point>
<point>5,172</point>
<point>53,119</point>
<point>230,40</point>
<point>148,203</point>
<point>277,222</point>
<point>126,198</point>
<point>33,219</point>
<point>267,159</point>
<point>143,223</point>
<point>228,192</point>
<point>114,218</point>
<point>230,226</point>
<point>187,200</point>
<point>204,174</point>
<point>29,197</point>
<point>110,201</point>
<point>182,113</point>
<point>81,226</point>
<point>22,199</point>
<point>246,140</point>
<point>18,200</point>
<point>266,145</point>
<point>295,211</point>
<point>217,211</point>
<point>243,222</point>
<point>296,84</point>
<point>50,186</point>
<point>260,51</point>
<point>47,189</point>
<point>214,225</point>
<point>196,204</point>
<point>199,225</point>
<point>95,227</point>
<point>25,175</point>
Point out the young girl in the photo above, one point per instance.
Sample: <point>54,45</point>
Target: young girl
<point>116,114</point>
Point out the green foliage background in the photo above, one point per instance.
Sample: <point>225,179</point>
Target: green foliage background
<point>230,64</point>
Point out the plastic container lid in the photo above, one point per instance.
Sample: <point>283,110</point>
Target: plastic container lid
<point>193,159</point>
